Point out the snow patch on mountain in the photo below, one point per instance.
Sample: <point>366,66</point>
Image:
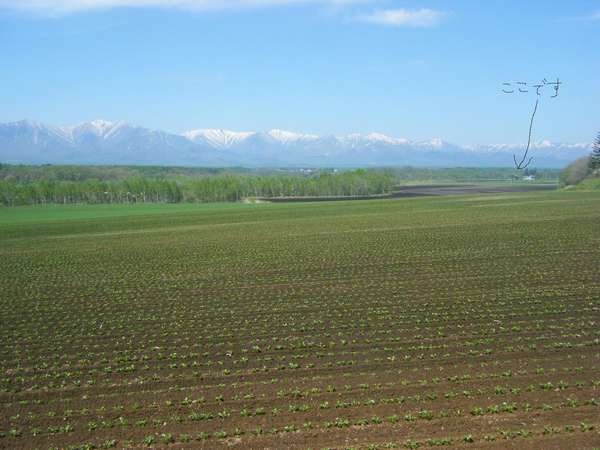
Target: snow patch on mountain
<point>101,129</point>
<point>287,137</point>
<point>217,137</point>
<point>375,138</point>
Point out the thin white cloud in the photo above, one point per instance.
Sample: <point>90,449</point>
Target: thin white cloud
<point>70,6</point>
<point>404,17</point>
<point>591,17</point>
<point>594,16</point>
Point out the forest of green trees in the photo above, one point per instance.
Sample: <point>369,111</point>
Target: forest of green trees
<point>214,188</point>
<point>33,185</point>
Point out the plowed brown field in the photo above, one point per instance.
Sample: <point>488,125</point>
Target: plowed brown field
<point>455,322</point>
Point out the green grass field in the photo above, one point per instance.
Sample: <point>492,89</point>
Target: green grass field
<point>466,321</point>
<point>40,214</point>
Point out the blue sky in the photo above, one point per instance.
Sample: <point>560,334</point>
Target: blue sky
<point>411,69</point>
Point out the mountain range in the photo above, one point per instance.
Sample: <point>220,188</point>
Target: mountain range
<point>111,143</point>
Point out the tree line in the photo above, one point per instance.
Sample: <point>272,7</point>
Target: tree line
<point>583,168</point>
<point>15,191</point>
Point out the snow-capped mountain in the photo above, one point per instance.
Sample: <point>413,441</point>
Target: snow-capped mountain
<point>104,142</point>
<point>98,142</point>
